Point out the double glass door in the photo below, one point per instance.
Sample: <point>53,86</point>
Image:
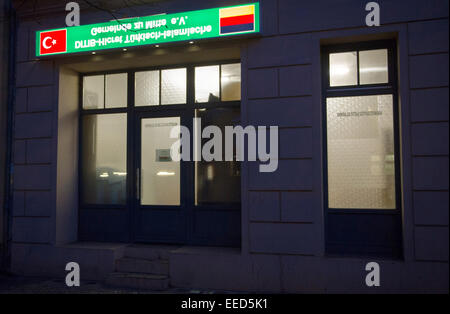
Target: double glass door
<point>131,188</point>
<point>194,202</point>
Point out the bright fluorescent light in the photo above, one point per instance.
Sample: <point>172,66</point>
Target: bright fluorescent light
<point>104,175</point>
<point>165,174</point>
<point>120,174</point>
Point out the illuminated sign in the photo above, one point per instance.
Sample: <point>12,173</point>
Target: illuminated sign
<point>151,30</point>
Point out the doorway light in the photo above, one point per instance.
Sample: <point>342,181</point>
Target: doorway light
<point>165,174</point>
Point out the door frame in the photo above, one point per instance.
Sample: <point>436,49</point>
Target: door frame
<point>134,115</point>
<point>379,218</point>
<point>136,192</point>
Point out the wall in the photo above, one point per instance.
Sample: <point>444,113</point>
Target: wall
<point>428,61</point>
<point>282,212</point>
<point>35,142</point>
<point>4,35</point>
<point>283,223</point>
<point>67,167</point>
<point>284,207</point>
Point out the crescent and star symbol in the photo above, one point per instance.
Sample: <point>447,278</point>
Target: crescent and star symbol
<point>46,39</point>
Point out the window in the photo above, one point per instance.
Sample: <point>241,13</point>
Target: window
<point>361,168</point>
<point>125,147</point>
<point>104,139</point>
<point>147,88</point>
<point>212,178</point>
<point>105,91</point>
<point>215,89</point>
<point>104,158</point>
<point>231,82</point>
<point>173,86</point>
<point>160,176</point>
<point>207,81</point>
<point>218,83</point>
<point>160,87</point>
<point>359,67</point>
<point>361,149</point>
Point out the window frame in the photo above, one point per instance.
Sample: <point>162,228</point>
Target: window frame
<point>389,88</point>
<point>133,112</point>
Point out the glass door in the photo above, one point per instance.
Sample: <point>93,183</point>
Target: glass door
<point>160,212</point>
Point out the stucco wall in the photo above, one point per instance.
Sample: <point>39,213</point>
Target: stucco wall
<point>282,212</point>
<point>284,89</point>
<point>3,104</point>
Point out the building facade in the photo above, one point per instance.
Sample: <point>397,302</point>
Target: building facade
<point>362,171</point>
<point>4,54</point>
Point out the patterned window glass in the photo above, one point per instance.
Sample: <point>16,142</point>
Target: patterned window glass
<point>361,159</point>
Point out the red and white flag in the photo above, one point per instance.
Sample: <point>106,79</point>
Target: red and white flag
<point>53,42</point>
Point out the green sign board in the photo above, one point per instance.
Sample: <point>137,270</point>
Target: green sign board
<point>151,30</point>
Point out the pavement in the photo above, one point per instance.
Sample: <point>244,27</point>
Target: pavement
<point>37,285</point>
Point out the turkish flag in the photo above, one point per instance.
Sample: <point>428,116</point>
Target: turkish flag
<point>53,42</point>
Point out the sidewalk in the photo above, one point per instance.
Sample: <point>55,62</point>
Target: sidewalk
<point>35,285</point>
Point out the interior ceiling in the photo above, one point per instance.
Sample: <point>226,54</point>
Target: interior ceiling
<point>150,56</point>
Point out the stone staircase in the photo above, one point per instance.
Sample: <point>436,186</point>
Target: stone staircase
<point>142,267</point>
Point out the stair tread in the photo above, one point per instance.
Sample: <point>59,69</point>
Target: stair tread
<point>149,251</point>
<point>139,275</point>
<point>138,281</point>
<point>128,258</point>
<point>154,246</point>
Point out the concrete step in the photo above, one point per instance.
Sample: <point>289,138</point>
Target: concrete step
<point>138,281</point>
<point>149,252</point>
<point>143,266</point>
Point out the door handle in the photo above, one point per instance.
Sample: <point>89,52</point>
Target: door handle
<point>138,183</point>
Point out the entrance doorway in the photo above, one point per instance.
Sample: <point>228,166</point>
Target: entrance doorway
<point>129,181</point>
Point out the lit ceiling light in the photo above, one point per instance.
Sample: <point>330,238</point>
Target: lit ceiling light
<point>191,42</point>
<point>120,174</point>
<point>104,175</point>
<point>165,174</point>
<point>125,49</point>
<point>210,173</point>
<point>93,52</point>
<point>156,46</point>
